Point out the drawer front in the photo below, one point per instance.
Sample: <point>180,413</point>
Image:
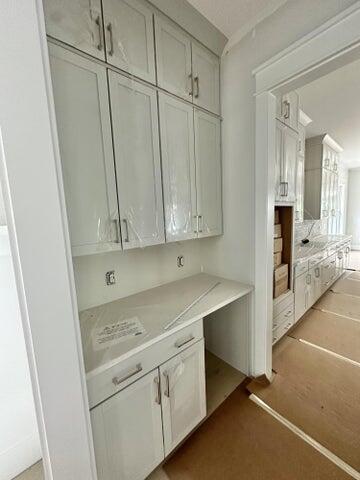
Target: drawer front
<point>105,384</point>
<point>286,316</point>
<point>319,257</point>
<point>280,331</point>
<point>301,268</point>
<point>284,305</point>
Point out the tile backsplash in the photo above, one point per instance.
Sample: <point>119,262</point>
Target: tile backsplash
<point>310,229</point>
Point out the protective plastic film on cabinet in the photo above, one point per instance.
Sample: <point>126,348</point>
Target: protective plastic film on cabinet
<point>76,22</point>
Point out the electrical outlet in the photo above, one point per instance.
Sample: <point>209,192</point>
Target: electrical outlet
<point>110,277</point>
<point>180,261</point>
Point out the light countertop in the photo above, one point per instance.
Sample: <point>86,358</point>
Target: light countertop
<point>150,312</point>
<point>303,253</point>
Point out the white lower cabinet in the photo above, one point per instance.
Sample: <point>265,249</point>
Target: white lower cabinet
<point>183,394</point>
<point>135,429</point>
<point>127,431</point>
<point>302,283</point>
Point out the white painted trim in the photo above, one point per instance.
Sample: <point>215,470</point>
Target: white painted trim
<point>338,35</point>
<point>32,187</point>
<point>264,228</point>
<point>309,440</point>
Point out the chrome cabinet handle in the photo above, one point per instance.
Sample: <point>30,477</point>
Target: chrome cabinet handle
<point>285,189</point>
<point>100,45</point>
<point>289,313</point>
<point>317,272</point>
<point>308,279</point>
<point>158,390</point>
<point>117,229</point>
<point>326,162</point>
<point>167,388</point>
<point>200,229</point>
<point>196,217</point>
<point>287,109</point>
<point>126,225</point>
<point>181,343</point>
<point>191,92</point>
<point>117,380</point>
<point>111,39</point>
<point>197,88</point>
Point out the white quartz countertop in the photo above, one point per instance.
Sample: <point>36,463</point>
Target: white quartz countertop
<point>152,310</point>
<point>303,253</point>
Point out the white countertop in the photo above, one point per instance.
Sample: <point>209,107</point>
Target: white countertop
<point>303,253</point>
<point>154,309</point>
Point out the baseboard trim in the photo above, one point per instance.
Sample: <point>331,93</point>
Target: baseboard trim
<point>20,456</point>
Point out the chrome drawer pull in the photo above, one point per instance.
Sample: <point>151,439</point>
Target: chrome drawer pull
<point>289,313</point>
<point>181,343</point>
<point>117,380</point>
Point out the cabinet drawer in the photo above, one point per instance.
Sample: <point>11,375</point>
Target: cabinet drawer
<point>300,268</point>
<point>280,331</point>
<point>283,305</point>
<point>104,384</point>
<point>317,258</point>
<point>286,315</point>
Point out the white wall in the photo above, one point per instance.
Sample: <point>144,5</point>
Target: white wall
<point>353,208</point>
<point>19,438</point>
<point>135,270</point>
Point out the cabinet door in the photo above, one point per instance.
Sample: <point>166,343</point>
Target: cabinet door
<point>83,123</point>
<point>129,37</point>
<point>77,23</point>
<point>208,174</point>
<point>173,58</point>
<point>183,394</point>
<point>137,158</point>
<point>206,75</point>
<point>127,431</point>
<point>178,162</point>
<point>301,295</point>
<point>290,148</point>
<point>299,207</point>
<point>279,186</point>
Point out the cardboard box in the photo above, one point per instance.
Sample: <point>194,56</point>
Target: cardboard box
<point>281,276</point>
<point>278,245</point>
<point>280,288</point>
<point>276,217</point>
<point>281,272</point>
<point>277,230</point>
<point>277,259</point>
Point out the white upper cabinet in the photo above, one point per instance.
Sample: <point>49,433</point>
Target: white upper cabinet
<point>173,58</point>
<point>285,163</point>
<point>208,174</point>
<point>290,150</point>
<point>179,184</point>
<point>183,394</point>
<point>129,37</point>
<point>77,23</point>
<point>137,157</point>
<point>127,431</point>
<point>206,78</point>
<point>83,123</point>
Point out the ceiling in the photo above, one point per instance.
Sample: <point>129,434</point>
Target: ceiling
<point>231,16</point>
<point>333,103</point>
